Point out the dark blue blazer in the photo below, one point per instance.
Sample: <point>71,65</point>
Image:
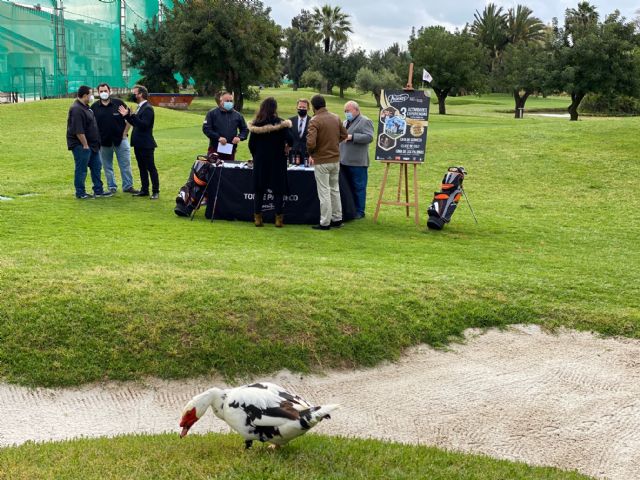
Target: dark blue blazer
<point>142,121</point>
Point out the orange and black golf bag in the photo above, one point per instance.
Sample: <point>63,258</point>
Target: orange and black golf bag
<point>194,193</point>
<point>446,200</point>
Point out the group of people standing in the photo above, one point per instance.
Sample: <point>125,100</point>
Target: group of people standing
<point>98,129</point>
<point>324,141</point>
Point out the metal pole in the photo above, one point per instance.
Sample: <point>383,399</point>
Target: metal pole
<point>469,203</point>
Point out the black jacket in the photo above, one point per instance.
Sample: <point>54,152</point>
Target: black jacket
<point>266,144</point>
<point>142,121</point>
<point>110,123</point>
<point>220,123</point>
<point>299,144</point>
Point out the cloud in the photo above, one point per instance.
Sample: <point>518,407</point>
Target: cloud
<point>380,23</point>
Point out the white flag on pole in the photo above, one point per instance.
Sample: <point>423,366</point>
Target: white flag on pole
<point>426,76</point>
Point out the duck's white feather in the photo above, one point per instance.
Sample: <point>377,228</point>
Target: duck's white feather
<point>267,412</point>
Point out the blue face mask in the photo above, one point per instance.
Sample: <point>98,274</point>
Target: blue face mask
<point>228,106</point>
<point>349,116</point>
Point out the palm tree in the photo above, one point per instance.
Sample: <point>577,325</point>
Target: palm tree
<point>577,21</point>
<point>332,24</point>
<point>490,30</point>
<point>522,26</point>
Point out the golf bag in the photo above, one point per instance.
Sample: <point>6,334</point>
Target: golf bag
<point>446,200</point>
<point>194,193</point>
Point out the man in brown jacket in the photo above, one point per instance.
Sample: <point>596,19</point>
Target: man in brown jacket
<point>326,131</point>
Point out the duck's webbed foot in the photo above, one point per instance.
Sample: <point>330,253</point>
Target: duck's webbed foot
<point>273,446</point>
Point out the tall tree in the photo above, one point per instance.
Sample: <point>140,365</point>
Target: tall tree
<point>454,61</point>
<point>524,70</point>
<point>580,21</point>
<point>332,24</point>
<point>594,57</point>
<point>301,39</point>
<point>149,51</point>
<point>233,42</point>
<point>490,30</point>
<point>369,81</point>
<point>342,68</point>
<point>522,26</point>
<point>393,58</point>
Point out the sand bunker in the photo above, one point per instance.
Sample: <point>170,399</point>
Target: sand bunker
<point>570,400</point>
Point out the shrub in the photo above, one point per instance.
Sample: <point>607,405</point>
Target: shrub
<point>252,94</point>
<point>598,103</point>
<point>312,79</point>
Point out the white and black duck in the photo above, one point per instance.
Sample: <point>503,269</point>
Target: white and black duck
<point>260,411</point>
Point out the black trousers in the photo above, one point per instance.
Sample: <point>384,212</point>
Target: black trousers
<point>147,166</point>
<point>278,200</point>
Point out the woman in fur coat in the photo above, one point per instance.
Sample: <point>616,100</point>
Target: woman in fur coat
<point>269,140</point>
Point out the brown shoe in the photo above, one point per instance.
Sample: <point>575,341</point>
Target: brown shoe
<point>257,219</point>
<point>279,221</point>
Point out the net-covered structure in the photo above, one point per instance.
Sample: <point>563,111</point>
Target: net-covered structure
<point>49,48</point>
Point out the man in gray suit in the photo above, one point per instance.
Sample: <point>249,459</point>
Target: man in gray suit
<point>354,153</point>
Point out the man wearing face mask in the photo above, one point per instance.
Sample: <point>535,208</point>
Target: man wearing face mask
<point>83,139</point>
<point>224,125</point>
<point>142,141</point>
<point>299,130</point>
<point>354,153</point>
<point>114,133</point>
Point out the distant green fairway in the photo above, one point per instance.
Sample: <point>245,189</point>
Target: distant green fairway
<point>121,288</point>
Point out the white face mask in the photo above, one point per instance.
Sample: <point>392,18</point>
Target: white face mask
<point>91,98</point>
<point>104,95</point>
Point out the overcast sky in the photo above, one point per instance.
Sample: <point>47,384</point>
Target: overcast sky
<point>379,23</point>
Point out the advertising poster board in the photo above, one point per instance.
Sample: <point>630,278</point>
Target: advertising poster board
<point>402,126</point>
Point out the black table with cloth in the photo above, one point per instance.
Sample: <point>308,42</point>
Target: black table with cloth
<point>235,197</point>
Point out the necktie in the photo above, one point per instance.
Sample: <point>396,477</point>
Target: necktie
<point>301,127</point>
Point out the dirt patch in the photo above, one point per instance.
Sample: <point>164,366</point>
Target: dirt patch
<point>570,400</point>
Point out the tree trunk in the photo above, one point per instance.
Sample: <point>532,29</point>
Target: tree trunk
<point>324,86</point>
<point>520,101</point>
<point>442,96</point>
<point>576,98</point>
<point>295,87</point>
<point>341,92</point>
<point>376,95</point>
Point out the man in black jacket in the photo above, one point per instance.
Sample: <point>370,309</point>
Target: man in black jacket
<point>142,141</point>
<point>299,128</point>
<point>223,125</point>
<point>83,139</point>
<point>114,138</point>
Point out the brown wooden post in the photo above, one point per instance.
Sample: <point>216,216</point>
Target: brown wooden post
<point>384,182</point>
<point>415,194</point>
<point>409,86</point>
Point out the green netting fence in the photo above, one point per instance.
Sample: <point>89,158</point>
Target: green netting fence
<point>49,48</point>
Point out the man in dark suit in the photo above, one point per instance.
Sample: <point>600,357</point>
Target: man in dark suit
<point>142,141</point>
<point>299,129</point>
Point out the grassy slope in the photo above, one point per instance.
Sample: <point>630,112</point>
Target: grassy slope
<point>222,457</point>
<point>121,288</point>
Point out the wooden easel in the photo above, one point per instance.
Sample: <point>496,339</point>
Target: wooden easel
<point>404,171</point>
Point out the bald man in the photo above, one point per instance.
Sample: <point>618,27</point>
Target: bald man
<point>354,154</point>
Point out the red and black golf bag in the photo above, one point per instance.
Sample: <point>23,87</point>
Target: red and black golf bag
<point>194,193</point>
<point>446,200</point>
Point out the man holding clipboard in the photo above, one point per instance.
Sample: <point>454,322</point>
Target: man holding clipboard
<point>225,128</point>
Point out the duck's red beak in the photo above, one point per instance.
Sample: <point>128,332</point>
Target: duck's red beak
<point>188,419</point>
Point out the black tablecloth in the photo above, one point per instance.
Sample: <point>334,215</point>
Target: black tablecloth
<point>235,197</point>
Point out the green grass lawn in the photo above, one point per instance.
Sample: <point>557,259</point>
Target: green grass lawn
<point>121,288</point>
<point>222,457</point>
